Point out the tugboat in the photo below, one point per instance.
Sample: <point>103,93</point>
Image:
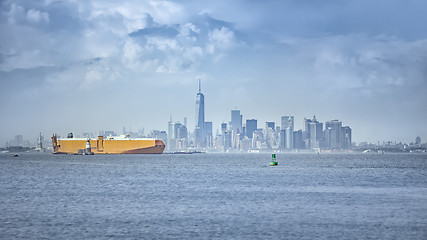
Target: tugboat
<point>273,161</point>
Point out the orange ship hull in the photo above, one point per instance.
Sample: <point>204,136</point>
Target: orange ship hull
<point>110,145</point>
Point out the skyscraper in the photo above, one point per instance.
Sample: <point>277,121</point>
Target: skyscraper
<point>298,143</point>
<point>306,133</point>
<point>288,126</point>
<point>287,121</point>
<point>251,126</point>
<point>171,135</point>
<point>316,133</point>
<point>208,134</point>
<point>333,138</point>
<point>236,128</point>
<point>282,144</point>
<point>176,128</point>
<point>199,131</point>
<point>270,134</point>
<point>223,127</point>
<point>270,125</point>
<point>236,121</point>
<point>346,137</point>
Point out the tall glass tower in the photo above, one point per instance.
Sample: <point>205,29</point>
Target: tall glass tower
<point>236,121</point>
<point>199,131</point>
<point>288,126</point>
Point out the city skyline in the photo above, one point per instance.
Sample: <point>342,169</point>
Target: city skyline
<point>334,136</point>
<point>234,124</point>
<point>79,66</point>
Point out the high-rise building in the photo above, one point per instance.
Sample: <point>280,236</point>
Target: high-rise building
<point>171,129</point>
<point>236,128</point>
<point>227,140</point>
<point>298,143</point>
<point>208,134</point>
<point>287,121</point>
<point>270,125</point>
<point>176,133</point>
<point>200,119</point>
<point>176,137</point>
<point>223,127</point>
<point>171,144</point>
<point>236,121</point>
<point>288,125</point>
<point>277,135</point>
<point>306,133</point>
<point>181,132</point>
<point>289,143</point>
<point>316,133</point>
<point>257,139</point>
<point>251,126</point>
<point>332,134</point>
<point>243,134</point>
<point>346,137</point>
<point>270,134</point>
<point>307,122</point>
<point>282,139</point>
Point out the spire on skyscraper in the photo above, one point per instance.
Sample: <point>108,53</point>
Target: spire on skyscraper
<point>200,86</point>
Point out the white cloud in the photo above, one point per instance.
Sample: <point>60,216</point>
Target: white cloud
<point>164,44</point>
<point>99,74</point>
<point>141,14</point>
<point>131,54</point>
<point>222,38</point>
<point>360,61</point>
<point>167,12</point>
<point>37,16</point>
<point>189,31</point>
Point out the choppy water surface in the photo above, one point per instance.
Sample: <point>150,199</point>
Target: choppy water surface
<point>208,196</point>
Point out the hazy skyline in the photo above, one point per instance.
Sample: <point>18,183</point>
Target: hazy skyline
<point>84,66</point>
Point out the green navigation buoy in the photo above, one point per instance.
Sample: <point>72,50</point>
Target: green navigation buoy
<point>273,160</point>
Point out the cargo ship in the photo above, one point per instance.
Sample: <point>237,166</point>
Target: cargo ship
<point>108,145</point>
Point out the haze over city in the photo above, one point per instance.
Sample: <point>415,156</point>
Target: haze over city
<point>84,66</point>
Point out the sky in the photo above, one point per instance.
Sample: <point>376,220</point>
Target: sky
<point>84,66</point>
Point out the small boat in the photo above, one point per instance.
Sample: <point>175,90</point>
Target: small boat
<point>274,163</point>
<point>15,155</point>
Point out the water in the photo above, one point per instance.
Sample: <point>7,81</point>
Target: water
<point>213,196</point>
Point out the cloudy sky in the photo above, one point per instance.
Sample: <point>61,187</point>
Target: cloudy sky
<point>83,66</point>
